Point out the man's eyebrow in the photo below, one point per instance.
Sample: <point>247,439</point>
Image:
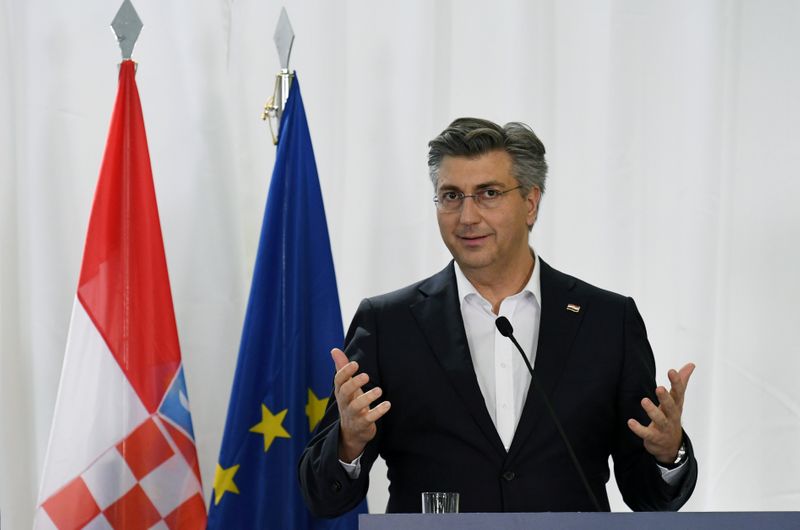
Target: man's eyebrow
<point>490,184</point>
<point>481,186</point>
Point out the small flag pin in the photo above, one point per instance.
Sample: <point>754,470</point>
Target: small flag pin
<point>574,308</point>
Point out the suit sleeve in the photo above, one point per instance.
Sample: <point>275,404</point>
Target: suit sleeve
<point>636,471</point>
<point>326,487</point>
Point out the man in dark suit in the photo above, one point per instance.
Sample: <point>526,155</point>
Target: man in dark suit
<point>460,413</point>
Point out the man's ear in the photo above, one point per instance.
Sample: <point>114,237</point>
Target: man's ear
<point>532,199</point>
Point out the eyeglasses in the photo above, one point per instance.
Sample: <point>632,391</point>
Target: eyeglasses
<point>453,201</point>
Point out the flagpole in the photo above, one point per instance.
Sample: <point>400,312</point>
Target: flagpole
<point>273,110</point>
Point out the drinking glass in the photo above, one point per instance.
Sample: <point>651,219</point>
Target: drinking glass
<point>439,502</point>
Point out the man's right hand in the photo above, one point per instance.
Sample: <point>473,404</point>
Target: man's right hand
<point>357,419</point>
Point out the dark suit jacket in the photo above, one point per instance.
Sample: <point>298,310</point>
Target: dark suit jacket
<point>595,365</point>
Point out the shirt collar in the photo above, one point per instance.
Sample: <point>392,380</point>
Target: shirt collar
<point>534,285</point>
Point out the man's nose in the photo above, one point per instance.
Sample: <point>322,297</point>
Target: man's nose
<point>470,213</point>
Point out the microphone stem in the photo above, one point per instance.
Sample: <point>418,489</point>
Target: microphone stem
<point>563,434</point>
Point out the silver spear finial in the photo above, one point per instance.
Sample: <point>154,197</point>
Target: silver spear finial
<point>126,25</point>
<point>284,38</point>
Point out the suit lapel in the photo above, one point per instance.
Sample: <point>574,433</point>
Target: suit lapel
<point>438,314</point>
<point>557,330</point>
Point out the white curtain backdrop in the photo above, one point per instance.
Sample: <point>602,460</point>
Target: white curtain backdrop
<point>671,129</point>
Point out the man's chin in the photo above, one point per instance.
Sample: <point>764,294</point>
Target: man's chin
<point>472,260</point>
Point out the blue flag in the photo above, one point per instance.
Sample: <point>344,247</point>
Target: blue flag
<point>284,373</point>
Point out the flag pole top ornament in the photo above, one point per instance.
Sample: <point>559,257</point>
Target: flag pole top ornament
<point>127,26</point>
<point>284,39</point>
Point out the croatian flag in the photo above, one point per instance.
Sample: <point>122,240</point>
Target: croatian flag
<point>121,451</point>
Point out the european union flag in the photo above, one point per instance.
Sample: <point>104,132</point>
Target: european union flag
<point>284,372</point>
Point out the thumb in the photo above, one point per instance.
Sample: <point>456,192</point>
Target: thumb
<point>339,358</point>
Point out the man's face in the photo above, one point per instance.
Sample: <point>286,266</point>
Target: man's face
<point>482,239</point>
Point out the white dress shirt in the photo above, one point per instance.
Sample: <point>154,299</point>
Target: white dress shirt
<point>502,375</point>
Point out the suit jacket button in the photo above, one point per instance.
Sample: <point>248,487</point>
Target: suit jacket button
<point>509,475</point>
<point>336,486</point>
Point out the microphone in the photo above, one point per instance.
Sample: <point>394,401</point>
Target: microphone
<point>507,330</point>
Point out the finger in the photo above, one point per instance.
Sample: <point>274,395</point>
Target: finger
<point>640,430</point>
<point>655,414</point>
<point>366,399</point>
<point>679,382</point>
<point>675,378</point>
<point>351,389</point>
<point>686,372</point>
<point>339,358</point>
<point>667,404</point>
<point>378,411</point>
<point>344,373</point>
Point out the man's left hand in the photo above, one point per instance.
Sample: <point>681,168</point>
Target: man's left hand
<point>662,438</point>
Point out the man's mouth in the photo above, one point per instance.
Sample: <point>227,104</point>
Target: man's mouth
<point>473,239</point>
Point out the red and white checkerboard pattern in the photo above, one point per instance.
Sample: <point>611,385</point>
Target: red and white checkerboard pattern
<point>143,482</point>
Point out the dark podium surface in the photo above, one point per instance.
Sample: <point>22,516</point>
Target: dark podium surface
<point>580,521</point>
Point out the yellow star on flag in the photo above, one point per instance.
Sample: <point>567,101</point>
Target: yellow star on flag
<point>315,409</point>
<point>223,482</point>
<point>270,426</point>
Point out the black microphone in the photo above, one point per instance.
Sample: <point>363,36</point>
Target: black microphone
<point>507,330</point>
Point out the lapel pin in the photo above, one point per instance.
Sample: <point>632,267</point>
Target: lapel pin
<point>574,308</point>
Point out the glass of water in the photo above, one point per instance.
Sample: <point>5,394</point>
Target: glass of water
<point>439,502</point>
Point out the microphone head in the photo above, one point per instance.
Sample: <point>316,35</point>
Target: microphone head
<point>504,326</point>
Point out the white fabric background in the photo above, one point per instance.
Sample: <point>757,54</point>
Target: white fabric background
<point>671,130</point>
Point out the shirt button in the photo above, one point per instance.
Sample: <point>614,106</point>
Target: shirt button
<point>336,486</point>
<point>509,476</point>
<point>502,365</point>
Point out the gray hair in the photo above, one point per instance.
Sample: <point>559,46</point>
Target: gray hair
<point>472,137</point>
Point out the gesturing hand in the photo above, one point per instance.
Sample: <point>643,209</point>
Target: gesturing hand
<point>662,438</point>
<point>357,419</point>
